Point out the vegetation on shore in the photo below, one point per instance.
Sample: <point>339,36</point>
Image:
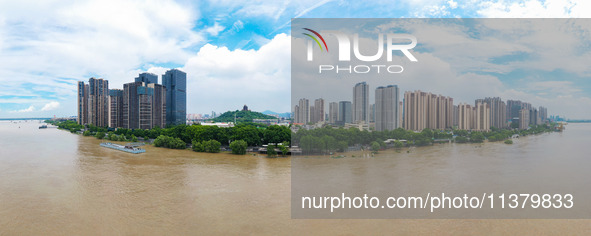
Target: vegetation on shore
<point>321,140</point>
<point>328,139</point>
<point>241,116</point>
<point>238,147</point>
<point>169,142</point>
<point>202,138</point>
<point>211,146</point>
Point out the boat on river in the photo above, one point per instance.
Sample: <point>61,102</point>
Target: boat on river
<point>125,148</point>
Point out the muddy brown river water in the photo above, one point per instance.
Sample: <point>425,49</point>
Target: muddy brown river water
<point>56,183</point>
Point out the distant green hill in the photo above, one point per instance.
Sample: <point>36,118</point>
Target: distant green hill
<point>241,116</point>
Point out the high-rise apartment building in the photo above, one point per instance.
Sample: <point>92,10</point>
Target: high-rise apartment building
<point>372,113</point>
<point>175,82</point>
<point>361,103</point>
<point>543,114</point>
<point>312,115</point>
<point>534,118</point>
<point>400,114</point>
<point>498,111</point>
<point>345,113</point>
<point>481,117</point>
<point>115,108</point>
<point>415,110</point>
<point>426,110</point>
<point>474,117</point>
<point>318,112</point>
<point>456,114</point>
<point>513,108</point>
<point>333,112</point>
<point>147,78</point>
<point>295,115</point>
<point>386,108</point>
<point>144,105</point>
<point>93,102</point>
<point>525,105</point>
<point>524,118</point>
<point>302,111</point>
<point>82,103</point>
<point>465,113</point>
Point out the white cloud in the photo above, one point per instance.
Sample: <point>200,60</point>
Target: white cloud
<point>50,106</point>
<point>30,109</point>
<point>237,26</point>
<point>534,8</point>
<point>215,29</point>
<point>42,42</point>
<point>452,4</point>
<point>220,79</point>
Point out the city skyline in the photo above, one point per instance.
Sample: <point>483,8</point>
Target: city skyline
<point>470,58</point>
<point>418,110</point>
<point>227,48</point>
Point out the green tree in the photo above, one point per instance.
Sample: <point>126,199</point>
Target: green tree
<point>508,141</point>
<point>271,151</point>
<point>133,138</point>
<point>276,134</point>
<point>212,146</point>
<point>381,143</point>
<point>398,144</point>
<point>463,133</point>
<point>329,143</point>
<point>421,140</point>
<point>375,146</point>
<point>100,135</point>
<point>238,147</point>
<point>198,146</point>
<point>461,139</point>
<point>284,149</point>
<point>249,134</point>
<point>476,137</point>
<point>307,143</point>
<point>86,133</point>
<point>342,146</point>
<point>427,133</point>
<point>169,142</point>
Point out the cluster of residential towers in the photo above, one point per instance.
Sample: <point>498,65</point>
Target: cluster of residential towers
<point>417,110</point>
<point>142,104</point>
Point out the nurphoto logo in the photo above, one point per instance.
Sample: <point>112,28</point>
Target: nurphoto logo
<point>392,44</point>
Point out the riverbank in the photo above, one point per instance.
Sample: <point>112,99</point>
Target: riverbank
<point>328,140</point>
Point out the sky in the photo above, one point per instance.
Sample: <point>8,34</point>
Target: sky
<point>234,52</point>
<point>544,62</point>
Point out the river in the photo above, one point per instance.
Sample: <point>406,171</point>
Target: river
<point>56,183</point>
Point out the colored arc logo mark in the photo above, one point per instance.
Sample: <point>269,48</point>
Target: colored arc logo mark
<point>315,39</point>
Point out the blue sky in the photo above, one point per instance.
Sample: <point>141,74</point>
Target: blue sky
<point>235,52</point>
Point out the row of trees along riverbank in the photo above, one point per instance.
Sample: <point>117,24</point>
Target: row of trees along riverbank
<point>327,139</point>
<point>201,138</point>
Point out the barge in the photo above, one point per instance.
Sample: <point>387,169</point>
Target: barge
<point>126,148</point>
